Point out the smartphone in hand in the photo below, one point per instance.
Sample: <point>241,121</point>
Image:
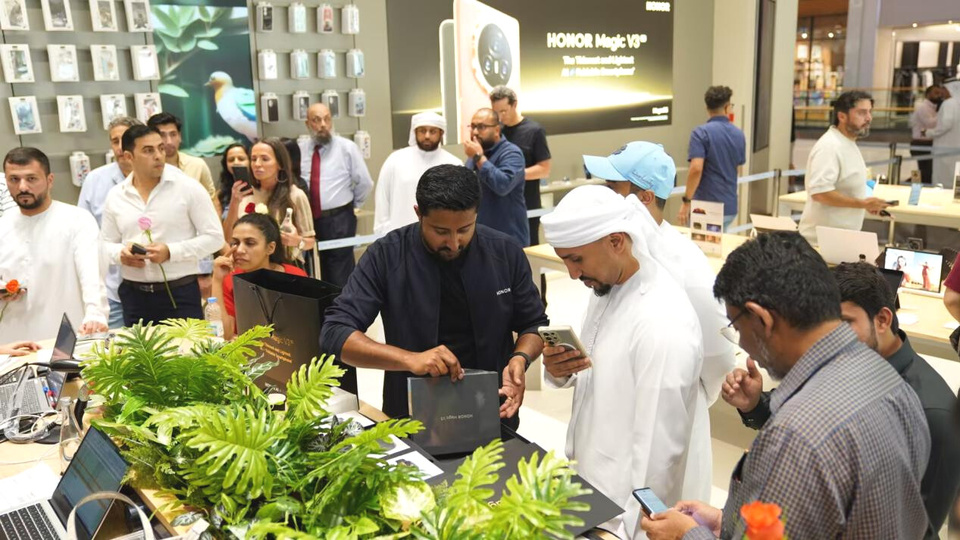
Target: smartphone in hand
<point>137,249</point>
<point>650,503</point>
<point>561,336</point>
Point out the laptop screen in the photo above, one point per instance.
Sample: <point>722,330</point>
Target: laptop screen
<point>97,466</point>
<point>921,270</point>
<point>66,341</point>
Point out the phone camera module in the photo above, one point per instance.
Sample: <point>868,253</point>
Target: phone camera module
<point>496,63</point>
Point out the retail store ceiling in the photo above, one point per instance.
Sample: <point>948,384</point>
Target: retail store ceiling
<point>814,8</point>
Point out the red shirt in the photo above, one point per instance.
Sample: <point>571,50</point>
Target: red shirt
<point>953,278</point>
<point>228,288</point>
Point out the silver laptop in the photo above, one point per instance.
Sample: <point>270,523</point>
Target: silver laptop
<point>764,223</point>
<point>843,245</point>
<point>97,466</point>
<point>41,393</point>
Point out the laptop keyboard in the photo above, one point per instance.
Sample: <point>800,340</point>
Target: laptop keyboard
<point>31,405</point>
<point>27,523</point>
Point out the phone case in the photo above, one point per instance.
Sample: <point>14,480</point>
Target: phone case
<point>265,17</point>
<point>350,19</point>
<point>355,67</point>
<point>357,102</point>
<point>325,19</point>
<point>488,55</point>
<point>270,107</point>
<point>297,15</point>
<point>326,64</point>
<point>299,64</point>
<point>362,138</point>
<point>267,60</point>
<point>301,102</point>
<point>331,99</point>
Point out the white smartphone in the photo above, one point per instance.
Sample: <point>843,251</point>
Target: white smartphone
<point>561,336</point>
<point>649,501</point>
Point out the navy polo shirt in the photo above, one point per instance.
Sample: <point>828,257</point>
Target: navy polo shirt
<point>722,147</point>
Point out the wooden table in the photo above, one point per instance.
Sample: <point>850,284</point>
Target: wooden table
<point>929,335</point>
<point>937,207</point>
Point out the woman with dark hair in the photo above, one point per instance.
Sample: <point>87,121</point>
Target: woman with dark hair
<point>254,245</point>
<point>234,156</point>
<point>293,148</point>
<point>273,186</point>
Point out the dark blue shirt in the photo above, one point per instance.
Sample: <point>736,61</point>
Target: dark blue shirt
<point>722,147</point>
<point>399,279</point>
<point>502,206</point>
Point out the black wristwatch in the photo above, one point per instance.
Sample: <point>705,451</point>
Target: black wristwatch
<point>526,358</point>
<point>685,199</point>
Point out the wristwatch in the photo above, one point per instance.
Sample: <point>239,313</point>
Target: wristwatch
<point>685,199</point>
<point>526,358</point>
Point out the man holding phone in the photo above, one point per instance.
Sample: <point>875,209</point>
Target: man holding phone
<point>452,294</point>
<point>637,384</point>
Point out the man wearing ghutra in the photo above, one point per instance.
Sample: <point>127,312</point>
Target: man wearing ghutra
<point>636,387</point>
<point>397,184</point>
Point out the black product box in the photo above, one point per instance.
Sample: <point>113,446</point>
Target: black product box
<point>457,416</point>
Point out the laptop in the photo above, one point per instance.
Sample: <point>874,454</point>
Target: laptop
<point>41,393</point>
<point>843,245</point>
<point>922,270</point>
<point>763,224</point>
<point>97,466</point>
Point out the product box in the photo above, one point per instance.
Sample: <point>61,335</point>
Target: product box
<point>457,416</point>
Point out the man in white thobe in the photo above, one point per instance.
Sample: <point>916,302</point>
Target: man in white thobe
<point>397,186</point>
<point>644,174</point>
<point>946,135</point>
<point>636,386</point>
<point>51,249</point>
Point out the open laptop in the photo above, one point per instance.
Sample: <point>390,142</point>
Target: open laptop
<point>41,393</point>
<point>97,466</point>
<point>843,245</point>
<point>764,224</point>
<point>922,270</point>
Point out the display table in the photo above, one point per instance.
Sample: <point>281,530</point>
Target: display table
<point>930,334</point>
<point>936,207</point>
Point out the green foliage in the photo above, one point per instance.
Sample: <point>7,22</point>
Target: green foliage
<point>190,420</point>
<point>211,146</point>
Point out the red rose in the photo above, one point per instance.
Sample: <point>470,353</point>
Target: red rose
<point>13,286</point>
<point>250,208</point>
<point>762,520</point>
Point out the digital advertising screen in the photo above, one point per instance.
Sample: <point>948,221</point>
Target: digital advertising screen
<point>576,66</point>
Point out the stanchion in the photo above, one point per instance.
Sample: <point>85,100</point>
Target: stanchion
<point>777,176</point>
<point>891,167</point>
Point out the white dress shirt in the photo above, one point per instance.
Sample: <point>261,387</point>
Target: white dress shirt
<point>344,177</point>
<point>54,255</point>
<point>182,217</point>
<point>397,185</point>
<point>93,195</point>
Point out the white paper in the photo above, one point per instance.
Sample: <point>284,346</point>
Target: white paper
<point>33,485</point>
<point>419,461</point>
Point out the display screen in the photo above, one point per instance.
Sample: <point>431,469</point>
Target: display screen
<point>921,270</point>
<point>576,67</point>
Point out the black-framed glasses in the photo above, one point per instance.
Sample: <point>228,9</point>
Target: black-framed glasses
<point>731,333</point>
<point>481,127</point>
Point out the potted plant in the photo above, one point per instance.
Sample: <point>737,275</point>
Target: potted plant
<point>191,421</point>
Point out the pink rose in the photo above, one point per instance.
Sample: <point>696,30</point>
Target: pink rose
<point>145,223</point>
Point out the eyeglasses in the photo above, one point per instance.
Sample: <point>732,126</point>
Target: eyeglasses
<point>731,333</point>
<point>481,127</point>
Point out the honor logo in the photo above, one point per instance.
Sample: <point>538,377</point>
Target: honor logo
<point>658,6</point>
<point>503,291</point>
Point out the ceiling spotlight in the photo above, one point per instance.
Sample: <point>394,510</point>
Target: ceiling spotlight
<point>803,35</point>
<point>830,34</point>
<point>914,25</point>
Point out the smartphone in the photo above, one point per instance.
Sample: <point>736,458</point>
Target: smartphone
<point>650,503</point>
<point>137,249</point>
<point>242,174</point>
<point>487,43</point>
<point>893,203</point>
<point>561,336</point>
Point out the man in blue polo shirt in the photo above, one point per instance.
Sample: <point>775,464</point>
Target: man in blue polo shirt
<point>717,150</point>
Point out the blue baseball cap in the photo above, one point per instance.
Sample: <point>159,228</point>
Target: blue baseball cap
<point>645,164</point>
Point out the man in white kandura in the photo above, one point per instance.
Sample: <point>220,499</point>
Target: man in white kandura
<point>51,249</point>
<point>644,174</point>
<point>397,184</point>
<point>637,386</point>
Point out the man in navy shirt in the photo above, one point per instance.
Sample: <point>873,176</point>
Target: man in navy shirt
<point>451,293</point>
<point>717,150</point>
<point>500,166</point>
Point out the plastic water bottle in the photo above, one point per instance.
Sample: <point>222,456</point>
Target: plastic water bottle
<point>287,225</point>
<point>213,317</point>
<point>69,432</point>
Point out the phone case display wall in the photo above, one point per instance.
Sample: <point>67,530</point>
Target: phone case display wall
<point>63,63</point>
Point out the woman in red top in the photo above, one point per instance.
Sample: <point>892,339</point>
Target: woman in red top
<point>255,246</point>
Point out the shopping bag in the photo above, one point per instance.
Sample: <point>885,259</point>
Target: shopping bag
<point>294,305</point>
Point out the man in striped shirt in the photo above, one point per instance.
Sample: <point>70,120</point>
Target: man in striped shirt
<point>846,445</point>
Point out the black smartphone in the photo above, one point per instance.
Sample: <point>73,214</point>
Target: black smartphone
<point>242,174</point>
<point>137,249</point>
<point>650,503</point>
<point>893,203</point>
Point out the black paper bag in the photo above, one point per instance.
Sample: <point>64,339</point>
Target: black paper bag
<point>294,305</point>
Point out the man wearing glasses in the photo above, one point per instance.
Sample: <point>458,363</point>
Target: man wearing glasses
<point>500,165</point>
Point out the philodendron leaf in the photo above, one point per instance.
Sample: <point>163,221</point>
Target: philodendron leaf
<point>172,90</point>
<point>188,518</point>
<point>207,45</point>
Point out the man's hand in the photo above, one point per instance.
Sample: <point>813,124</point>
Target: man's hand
<point>92,327</point>
<point>874,205</point>
<point>683,216</point>
<point>514,385</point>
<point>742,388</point>
<point>19,348</point>
<point>704,514</point>
<point>127,258</point>
<point>158,253</point>
<point>435,362</point>
<point>472,148</point>
<point>560,363</point>
<point>669,525</point>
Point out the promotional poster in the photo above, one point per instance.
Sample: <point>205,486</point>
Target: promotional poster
<point>575,68</point>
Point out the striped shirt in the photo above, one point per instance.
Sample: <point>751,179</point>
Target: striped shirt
<point>844,452</point>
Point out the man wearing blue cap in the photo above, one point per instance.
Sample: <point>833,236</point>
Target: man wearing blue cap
<point>645,174</point>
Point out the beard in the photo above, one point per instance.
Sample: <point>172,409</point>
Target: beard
<point>860,133</point>
<point>601,290</point>
<point>29,201</point>
<point>427,146</point>
<point>765,359</point>
<point>487,144</point>
<point>322,139</point>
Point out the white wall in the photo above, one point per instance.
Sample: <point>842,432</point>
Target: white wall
<point>907,12</point>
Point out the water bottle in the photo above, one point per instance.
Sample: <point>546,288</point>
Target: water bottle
<point>287,225</point>
<point>69,432</point>
<point>213,317</point>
